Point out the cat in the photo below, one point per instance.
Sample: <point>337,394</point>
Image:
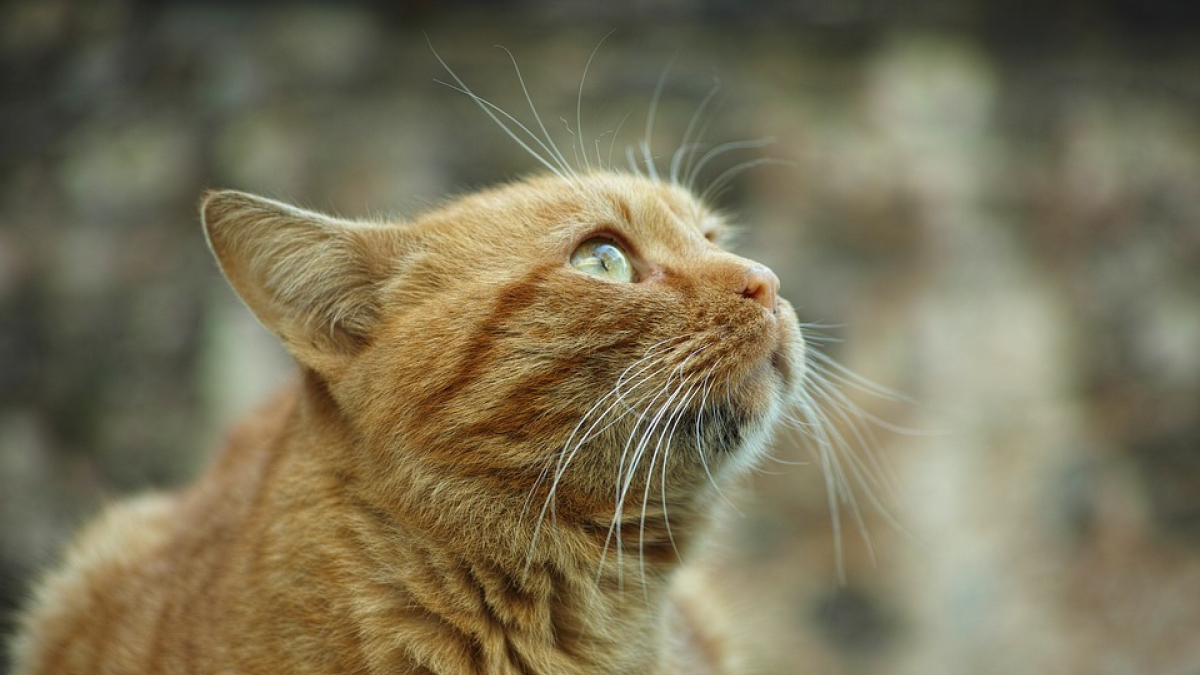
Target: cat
<point>513,417</point>
<point>512,423</point>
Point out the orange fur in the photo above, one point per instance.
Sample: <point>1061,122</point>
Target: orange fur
<point>439,492</point>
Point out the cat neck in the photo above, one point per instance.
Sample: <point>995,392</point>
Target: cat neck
<point>572,591</point>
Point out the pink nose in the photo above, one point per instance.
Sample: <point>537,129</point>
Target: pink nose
<point>762,286</point>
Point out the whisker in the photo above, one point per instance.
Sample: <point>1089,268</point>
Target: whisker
<point>496,113</point>
<point>653,427</point>
<point>650,117</point>
<point>648,160</point>
<point>562,161</point>
<point>688,144</point>
<point>713,191</point>
<point>563,459</point>
<point>827,458</point>
<point>633,162</point>
<point>579,100</point>
<point>708,387</point>
<point>676,409</point>
<point>639,450</point>
<point>870,474</point>
<point>690,174</point>
<point>832,446</point>
<point>641,371</point>
<point>690,179</point>
<point>687,150</point>
<point>653,375</point>
<point>616,132</point>
<point>625,476</point>
<point>843,374</point>
<point>575,141</point>
<point>693,390</point>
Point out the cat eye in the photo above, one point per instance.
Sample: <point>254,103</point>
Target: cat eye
<point>603,258</point>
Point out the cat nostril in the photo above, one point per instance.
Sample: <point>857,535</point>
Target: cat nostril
<point>761,286</point>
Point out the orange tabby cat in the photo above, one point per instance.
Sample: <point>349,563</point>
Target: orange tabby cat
<point>513,417</point>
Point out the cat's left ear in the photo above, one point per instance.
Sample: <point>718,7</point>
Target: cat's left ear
<point>311,279</point>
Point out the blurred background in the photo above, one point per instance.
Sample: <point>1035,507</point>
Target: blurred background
<point>996,205</point>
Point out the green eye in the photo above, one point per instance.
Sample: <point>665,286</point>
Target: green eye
<point>602,258</point>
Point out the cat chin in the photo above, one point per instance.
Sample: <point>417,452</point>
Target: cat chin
<point>774,380</point>
<point>767,390</point>
<point>747,421</point>
<point>755,436</point>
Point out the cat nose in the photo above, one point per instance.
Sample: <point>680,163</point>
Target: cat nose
<point>762,286</point>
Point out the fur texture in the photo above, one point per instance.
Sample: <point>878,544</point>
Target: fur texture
<point>492,462</point>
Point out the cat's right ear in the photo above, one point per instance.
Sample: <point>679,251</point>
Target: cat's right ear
<point>311,279</point>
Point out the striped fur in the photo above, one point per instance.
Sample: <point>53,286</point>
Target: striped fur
<point>491,462</point>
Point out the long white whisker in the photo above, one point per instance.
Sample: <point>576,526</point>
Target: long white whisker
<point>685,150</point>
<point>676,407</point>
<point>579,101</point>
<point>648,160</point>
<point>722,149</point>
<point>655,426</point>
<point>689,170</point>
<point>682,406</point>
<point>631,157</point>
<point>616,132</point>
<point>553,148</point>
<point>687,144</point>
<point>626,476</point>
<point>827,458</point>
<point>708,386</point>
<point>714,188</point>
<point>575,142</point>
<point>571,447</point>
<point>846,376</point>
<point>563,459</point>
<point>496,113</point>
<point>625,473</point>
<point>650,116</point>
<point>651,352</point>
<point>869,474</point>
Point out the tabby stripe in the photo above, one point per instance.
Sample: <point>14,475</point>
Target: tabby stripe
<point>515,659</point>
<point>514,298</point>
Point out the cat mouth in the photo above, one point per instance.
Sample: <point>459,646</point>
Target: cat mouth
<point>763,389</point>
<point>726,425</point>
<point>787,358</point>
<point>777,365</point>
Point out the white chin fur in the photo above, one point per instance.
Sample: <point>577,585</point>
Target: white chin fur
<point>756,438</point>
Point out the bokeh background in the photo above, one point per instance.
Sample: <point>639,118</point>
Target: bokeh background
<point>996,206</point>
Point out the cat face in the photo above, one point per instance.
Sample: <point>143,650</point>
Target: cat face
<point>577,338</point>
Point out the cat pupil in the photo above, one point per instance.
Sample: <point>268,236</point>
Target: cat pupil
<point>603,258</point>
<point>608,256</point>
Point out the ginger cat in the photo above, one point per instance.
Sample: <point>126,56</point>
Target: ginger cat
<point>513,417</point>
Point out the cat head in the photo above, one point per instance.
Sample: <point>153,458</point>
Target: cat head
<point>569,338</point>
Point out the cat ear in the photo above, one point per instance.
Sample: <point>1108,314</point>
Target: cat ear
<point>311,279</point>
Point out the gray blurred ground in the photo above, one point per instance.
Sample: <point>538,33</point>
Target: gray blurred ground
<point>998,205</point>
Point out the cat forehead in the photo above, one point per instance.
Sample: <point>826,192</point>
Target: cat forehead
<point>629,202</point>
<point>635,197</point>
<point>558,210</point>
